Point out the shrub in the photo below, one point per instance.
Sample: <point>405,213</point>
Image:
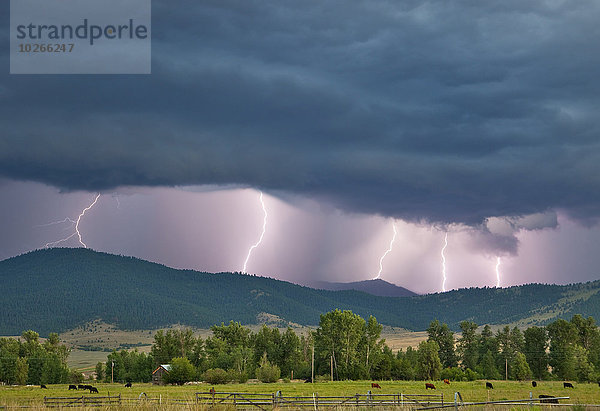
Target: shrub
<point>267,372</point>
<point>181,371</point>
<point>453,374</point>
<point>216,376</point>
<point>237,376</point>
<point>471,375</point>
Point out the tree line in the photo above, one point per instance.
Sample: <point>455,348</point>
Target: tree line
<point>343,347</point>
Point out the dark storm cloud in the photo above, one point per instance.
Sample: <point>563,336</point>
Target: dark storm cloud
<point>431,111</point>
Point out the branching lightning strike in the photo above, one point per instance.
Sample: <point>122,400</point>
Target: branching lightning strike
<point>444,263</point>
<point>262,234</point>
<point>497,271</point>
<point>76,222</point>
<point>57,222</point>
<point>387,251</point>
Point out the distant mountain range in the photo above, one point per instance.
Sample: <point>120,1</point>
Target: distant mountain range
<point>59,289</point>
<point>375,287</point>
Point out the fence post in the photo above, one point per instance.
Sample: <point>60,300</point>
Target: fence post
<point>402,399</point>
<point>442,395</point>
<point>530,399</point>
<point>457,394</point>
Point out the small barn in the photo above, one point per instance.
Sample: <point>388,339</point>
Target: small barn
<point>159,373</point>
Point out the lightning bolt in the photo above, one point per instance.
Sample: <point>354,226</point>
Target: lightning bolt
<point>444,263</point>
<point>57,222</point>
<point>497,271</point>
<point>76,222</point>
<point>386,252</point>
<point>262,234</point>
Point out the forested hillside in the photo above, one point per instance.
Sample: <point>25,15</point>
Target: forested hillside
<point>58,289</point>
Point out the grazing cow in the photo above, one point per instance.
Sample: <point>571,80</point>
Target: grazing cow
<point>489,385</point>
<point>429,385</point>
<point>547,399</point>
<point>72,387</point>
<point>93,389</point>
<point>533,384</point>
<point>43,386</point>
<point>447,381</point>
<point>375,385</point>
<point>82,387</point>
<point>567,385</point>
<point>308,380</point>
<point>128,385</point>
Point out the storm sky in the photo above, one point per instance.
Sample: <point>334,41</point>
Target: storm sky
<point>470,117</point>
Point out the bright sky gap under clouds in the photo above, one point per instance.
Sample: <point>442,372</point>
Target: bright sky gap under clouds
<point>475,119</point>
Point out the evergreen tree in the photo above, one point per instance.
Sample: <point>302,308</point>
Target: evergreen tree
<point>441,334</point>
<point>487,366</point>
<point>100,371</point>
<point>429,365</point>
<point>536,344</point>
<point>521,370</point>
<point>469,345</point>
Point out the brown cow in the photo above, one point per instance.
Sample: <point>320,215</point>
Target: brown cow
<point>429,385</point>
<point>375,385</point>
<point>447,381</point>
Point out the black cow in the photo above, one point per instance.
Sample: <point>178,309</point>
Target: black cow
<point>489,385</point>
<point>43,386</point>
<point>308,380</point>
<point>567,385</point>
<point>72,387</point>
<point>533,384</point>
<point>547,399</point>
<point>128,385</point>
<point>82,387</point>
<point>93,389</point>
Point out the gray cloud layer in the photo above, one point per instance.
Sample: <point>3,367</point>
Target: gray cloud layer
<point>438,111</point>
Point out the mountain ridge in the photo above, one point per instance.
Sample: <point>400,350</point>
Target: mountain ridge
<point>61,288</point>
<point>376,286</point>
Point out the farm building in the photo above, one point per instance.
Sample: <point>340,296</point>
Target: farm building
<point>159,373</point>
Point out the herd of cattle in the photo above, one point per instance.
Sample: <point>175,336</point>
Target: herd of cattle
<point>93,390</point>
<point>488,385</point>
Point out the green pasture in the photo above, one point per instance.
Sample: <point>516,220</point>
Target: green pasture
<point>584,393</point>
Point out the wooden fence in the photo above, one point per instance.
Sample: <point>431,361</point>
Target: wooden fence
<point>82,401</point>
<point>267,401</point>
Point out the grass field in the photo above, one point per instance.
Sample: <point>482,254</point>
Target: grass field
<point>471,391</point>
